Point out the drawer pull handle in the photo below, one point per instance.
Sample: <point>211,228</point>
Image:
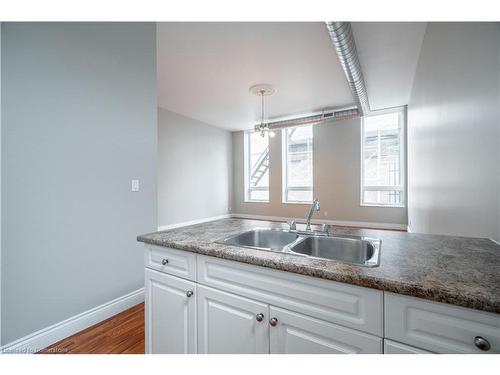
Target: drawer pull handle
<point>481,343</point>
<point>164,261</point>
<point>189,293</point>
<point>273,322</point>
<point>259,317</point>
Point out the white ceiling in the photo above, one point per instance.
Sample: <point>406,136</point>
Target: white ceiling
<point>388,53</point>
<point>206,69</point>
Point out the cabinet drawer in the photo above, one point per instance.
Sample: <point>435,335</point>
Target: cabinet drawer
<point>174,262</point>
<point>295,333</point>
<point>347,305</point>
<point>392,347</point>
<point>439,327</point>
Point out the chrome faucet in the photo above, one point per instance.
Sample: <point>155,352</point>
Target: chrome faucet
<point>314,207</point>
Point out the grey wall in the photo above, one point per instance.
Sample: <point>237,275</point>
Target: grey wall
<point>194,169</point>
<point>453,132</point>
<point>0,183</point>
<point>79,117</point>
<point>336,169</point>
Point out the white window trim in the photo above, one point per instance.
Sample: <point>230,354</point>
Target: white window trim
<point>402,155</point>
<point>284,172</point>
<point>246,171</point>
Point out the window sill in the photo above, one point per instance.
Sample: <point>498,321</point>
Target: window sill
<point>248,201</point>
<point>383,205</point>
<point>308,203</point>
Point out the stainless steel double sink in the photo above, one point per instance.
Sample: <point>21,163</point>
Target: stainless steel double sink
<point>362,251</point>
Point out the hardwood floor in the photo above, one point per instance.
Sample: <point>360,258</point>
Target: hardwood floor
<point>120,334</point>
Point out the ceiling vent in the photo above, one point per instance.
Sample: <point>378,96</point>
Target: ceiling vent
<point>314,119</point>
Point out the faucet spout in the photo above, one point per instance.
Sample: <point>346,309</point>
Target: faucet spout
<point>314,207</point>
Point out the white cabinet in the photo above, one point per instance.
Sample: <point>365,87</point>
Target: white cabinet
<point>230,324</point>
<point>293,333</point>
<point>339,303</point>
<point>170,314</point>
<point>197,303</point>
<point>439,327</point>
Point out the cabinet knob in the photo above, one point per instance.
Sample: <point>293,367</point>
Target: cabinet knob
<point>164,261</point>
<point>273,322</point>
<point>259,317</point>
<point>481,343</point>
<point>189,293</point>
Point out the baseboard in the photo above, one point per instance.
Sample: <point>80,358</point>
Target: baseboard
<point>359,224</point>
<point>45,337</point>
<point>192,222</point>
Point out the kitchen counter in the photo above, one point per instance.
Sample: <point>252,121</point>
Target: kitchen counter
<point>456,270</point>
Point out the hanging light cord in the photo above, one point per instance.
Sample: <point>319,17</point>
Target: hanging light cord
<point>262,125</point>
<point>262,112</point>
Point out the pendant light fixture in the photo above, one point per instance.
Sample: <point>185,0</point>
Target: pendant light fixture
<point>263,90</point>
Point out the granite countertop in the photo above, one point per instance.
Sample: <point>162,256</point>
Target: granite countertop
<point>456,270</point>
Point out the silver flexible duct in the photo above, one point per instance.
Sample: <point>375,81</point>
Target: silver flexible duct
<point>313,119</point>
<point>343,41</point>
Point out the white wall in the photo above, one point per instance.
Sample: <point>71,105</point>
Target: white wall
<point>454,132</point>
<point>79,118</point>
<point>336,166</point>
<point>194,169</point>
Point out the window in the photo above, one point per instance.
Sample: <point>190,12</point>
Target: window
<point>298,164</point>
<point>256,167</point>
<point>382,159</point>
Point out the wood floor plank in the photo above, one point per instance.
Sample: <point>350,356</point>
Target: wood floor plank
<point>120,334</point>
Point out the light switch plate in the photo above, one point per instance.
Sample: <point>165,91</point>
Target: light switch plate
<point>135,185</point>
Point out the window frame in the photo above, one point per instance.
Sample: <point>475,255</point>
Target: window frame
<point>402,157</point>
<point>284,169</point>
<point>248,168</point>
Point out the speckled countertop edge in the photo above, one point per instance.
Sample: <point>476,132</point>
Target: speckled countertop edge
<point>447,287</point>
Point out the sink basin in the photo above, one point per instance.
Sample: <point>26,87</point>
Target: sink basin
<point>361,251</point>
<point>263,239</point>
<point>356,250</point>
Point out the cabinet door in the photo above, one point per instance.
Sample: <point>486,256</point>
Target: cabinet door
<point>293,333</point>
<point>230,324</point>
<point>392,347</point>
<point>170,314</point>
